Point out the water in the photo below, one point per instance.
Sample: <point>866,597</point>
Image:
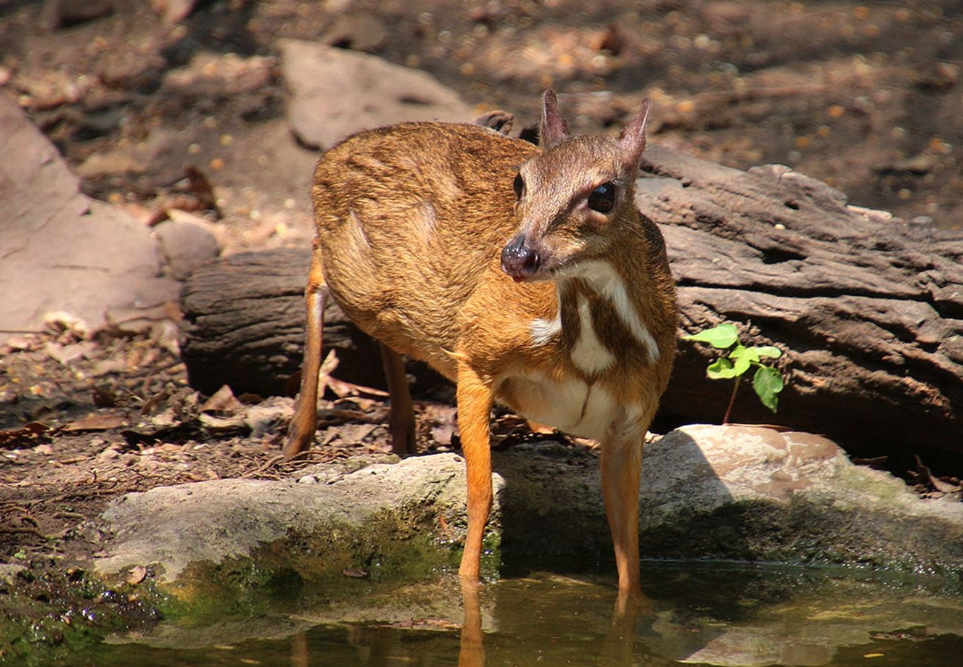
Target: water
<point>692,614</point>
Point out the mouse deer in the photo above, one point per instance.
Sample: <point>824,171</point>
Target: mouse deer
<point>524,274</point>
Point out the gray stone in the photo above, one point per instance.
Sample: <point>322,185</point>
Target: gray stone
<point>212,521</point>
<point>335,93</point>
<point>187,242</point>
<point>750,493</point>
<point>708,492</point>
<point>60,250</point>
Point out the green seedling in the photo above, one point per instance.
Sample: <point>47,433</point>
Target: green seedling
<point>767,382</point>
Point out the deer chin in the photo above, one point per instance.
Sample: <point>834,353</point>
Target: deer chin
<point>575,266</point>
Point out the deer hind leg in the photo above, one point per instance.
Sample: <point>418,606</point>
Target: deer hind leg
<point>475,400</point>
<point>621,464</point>
<point>303,424</point>
<point>401,420</point>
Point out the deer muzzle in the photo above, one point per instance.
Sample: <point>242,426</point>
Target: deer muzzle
<point>520,260</point>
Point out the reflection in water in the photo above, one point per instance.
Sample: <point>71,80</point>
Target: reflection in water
<point>471,647</point>
<point>691,614</point>
<point>300,654</point>
<point>707,615</point>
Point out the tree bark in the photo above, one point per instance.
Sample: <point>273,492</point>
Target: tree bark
<point>867,309</point>
<point>244,324</point>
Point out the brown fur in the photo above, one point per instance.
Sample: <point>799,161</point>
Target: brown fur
<point>411,223</point>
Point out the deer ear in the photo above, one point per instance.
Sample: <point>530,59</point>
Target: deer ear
<point>632,139</point>
<point>553,128</point>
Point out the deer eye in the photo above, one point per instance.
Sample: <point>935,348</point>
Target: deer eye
<point>518,185</point>
<point>602,198</point>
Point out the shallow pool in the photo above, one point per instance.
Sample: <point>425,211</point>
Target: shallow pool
<point>720,614</point>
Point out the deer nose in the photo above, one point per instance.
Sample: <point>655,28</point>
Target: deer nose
<point>520,260</point>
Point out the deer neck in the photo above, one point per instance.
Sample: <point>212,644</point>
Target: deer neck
<point>598,325</point>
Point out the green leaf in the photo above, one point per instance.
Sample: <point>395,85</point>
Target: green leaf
<point>742,363</point>
<point>721,337</point>
<point>768,351</point>
<point>721,369</point>
<point>767,382</point>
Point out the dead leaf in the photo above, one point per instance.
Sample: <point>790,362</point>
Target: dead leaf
<point>541,429</point>
<point>153,402</point>
<point>17,436</point>
<point>137,575</point>
<point>926,477</point>
<point>222,402</point>
<point>59,321</point>
<point>340,387</point>
<point>355,433</point>
<point>67,354</point>
<point>414,623</point>
<point>95,423</point>
<point>225,423</point>
<point>354,572</point>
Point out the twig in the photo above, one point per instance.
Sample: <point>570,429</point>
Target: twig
<point>732,400</point>
<point>265,466</point>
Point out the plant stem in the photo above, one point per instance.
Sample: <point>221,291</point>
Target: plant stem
<point>732,400</point>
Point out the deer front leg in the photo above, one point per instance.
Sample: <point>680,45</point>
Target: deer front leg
<point>475,400</point>
<point>621,463</point>
<point>303,424</point>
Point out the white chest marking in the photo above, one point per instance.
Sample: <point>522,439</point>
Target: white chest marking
<point>543,331</point>
<point>603,277</point>
<point>588,353</point>
<point>570,405</point>
<point>607,282</point>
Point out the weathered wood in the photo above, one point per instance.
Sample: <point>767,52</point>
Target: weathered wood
<point>244,326</point>
<point>868,308</point>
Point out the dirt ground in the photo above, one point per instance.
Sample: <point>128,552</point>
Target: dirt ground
<point>863,96</point>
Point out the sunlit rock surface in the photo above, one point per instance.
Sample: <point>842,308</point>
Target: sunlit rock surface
<point>708,492</point>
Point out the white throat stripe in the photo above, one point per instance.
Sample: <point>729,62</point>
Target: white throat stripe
<point>589,354</point>
<point>603,277</point>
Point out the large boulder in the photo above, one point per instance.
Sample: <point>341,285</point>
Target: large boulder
<point>335,93</point>
<point>61,250</point>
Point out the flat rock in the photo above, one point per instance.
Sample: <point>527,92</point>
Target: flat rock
<point>335,93</point>
<point>752,493</point>
<point>222,519</point>
<point>709,492</point>
<point>61,250</point>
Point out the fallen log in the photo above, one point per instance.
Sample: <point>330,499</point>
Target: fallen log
<point>244,326</point>
<point>868,309</point>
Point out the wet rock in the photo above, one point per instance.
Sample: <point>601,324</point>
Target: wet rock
<point>335,93</point>
<point>708,492</point>
<point>62,250</point>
